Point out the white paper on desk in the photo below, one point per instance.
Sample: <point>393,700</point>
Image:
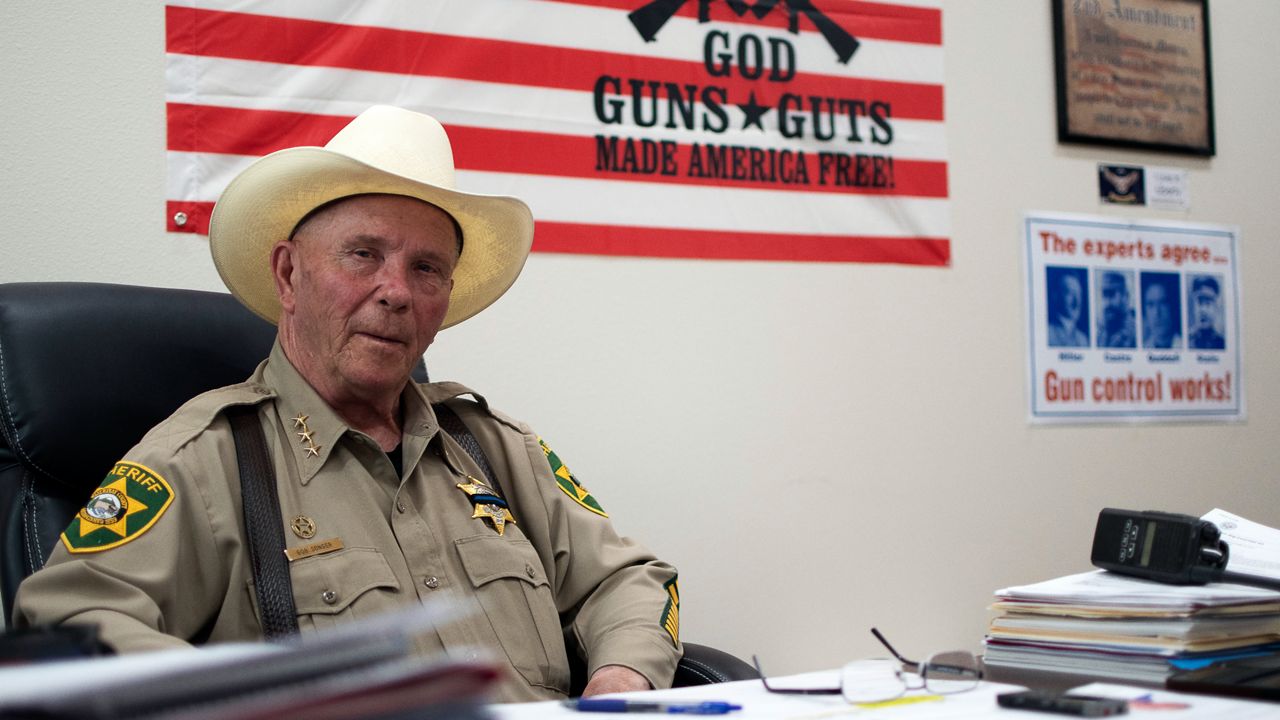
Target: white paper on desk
<point>26,683</point>
<point>236,679</point>
<point>758,704</point>
<point>1102,588</point>
<point>1253,548</point>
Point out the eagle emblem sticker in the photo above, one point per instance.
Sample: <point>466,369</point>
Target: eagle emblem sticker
<point>125,505</point>
<point>569,484</point>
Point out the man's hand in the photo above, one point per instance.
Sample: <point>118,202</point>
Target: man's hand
<point>615,678</point>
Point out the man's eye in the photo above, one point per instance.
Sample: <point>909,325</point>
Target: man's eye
<point>362,253</point>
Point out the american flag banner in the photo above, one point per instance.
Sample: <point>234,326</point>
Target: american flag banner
<point>806,130</point>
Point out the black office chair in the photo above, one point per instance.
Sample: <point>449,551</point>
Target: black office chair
<point>87,368</point>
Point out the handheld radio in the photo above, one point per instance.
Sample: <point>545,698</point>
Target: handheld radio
<point>1167,548</point>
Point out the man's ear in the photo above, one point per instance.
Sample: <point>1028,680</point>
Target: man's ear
<point>282,271</point>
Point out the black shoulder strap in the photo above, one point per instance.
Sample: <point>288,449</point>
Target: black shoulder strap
<point>452,424</point>
<point>263,526</point>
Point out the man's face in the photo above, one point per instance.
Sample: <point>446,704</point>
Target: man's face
<point>364,285</point>
<point>1156,311</point>
<point>1115,300</point>
<point>1072,297</point>
<point>1204,307</point>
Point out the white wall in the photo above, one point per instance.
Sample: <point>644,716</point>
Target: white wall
<point>819,448</point>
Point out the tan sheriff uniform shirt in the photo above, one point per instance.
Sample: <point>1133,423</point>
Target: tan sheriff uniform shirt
<point>187,577</point>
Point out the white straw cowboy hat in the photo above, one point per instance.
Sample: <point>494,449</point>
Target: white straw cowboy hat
<point>384,150</point>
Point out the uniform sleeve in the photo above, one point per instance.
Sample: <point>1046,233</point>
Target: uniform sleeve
<point>140,561</point>
<point>621,601</point>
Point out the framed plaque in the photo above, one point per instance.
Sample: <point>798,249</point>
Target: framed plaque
<point>1134,73</point>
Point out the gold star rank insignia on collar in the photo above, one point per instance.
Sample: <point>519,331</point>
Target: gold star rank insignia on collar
<point>304,436</point>
<point>487,504</point>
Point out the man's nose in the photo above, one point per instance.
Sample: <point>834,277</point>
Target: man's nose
<point>393,288</point>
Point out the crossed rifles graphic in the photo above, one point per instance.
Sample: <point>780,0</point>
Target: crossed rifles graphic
<point>650,18</point>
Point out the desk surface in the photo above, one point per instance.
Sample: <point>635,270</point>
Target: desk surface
<point>977,703</point>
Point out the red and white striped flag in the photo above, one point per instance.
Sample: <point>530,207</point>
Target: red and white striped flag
<point>752,129</point>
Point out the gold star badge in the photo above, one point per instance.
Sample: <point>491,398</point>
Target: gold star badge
<point>497,515</point>
<point>487,504</point>
<point>300,421</point>
<point>474,487</point>
<point>304,527</point>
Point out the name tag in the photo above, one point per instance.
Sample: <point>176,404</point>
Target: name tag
<point>315,548</point>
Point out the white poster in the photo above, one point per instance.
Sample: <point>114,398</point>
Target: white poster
<point>1131,321</point>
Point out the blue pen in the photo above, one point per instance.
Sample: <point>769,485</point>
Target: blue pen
<point>606,705</point>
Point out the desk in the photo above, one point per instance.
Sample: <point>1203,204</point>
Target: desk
<point>978,703</point>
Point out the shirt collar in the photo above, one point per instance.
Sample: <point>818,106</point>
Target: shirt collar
<point>314,429</point>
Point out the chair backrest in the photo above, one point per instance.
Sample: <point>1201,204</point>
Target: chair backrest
<point>85,370</point>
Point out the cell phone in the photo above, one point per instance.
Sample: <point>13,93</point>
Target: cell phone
<point>1063,703</point>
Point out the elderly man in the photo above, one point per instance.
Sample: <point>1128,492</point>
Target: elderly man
<point>1116,328</point>
<point>1161,312</point>
<point>1066,308</point>
<point>1204,304</point>
<point>360,251</point>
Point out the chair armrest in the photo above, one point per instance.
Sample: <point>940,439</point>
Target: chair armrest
<point>700,665</point>
<point>703,665</point>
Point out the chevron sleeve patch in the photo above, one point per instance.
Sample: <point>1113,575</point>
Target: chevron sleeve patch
<point>671,613</point>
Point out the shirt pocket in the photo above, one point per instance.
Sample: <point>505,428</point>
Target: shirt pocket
<point>339,587</point>
<point>512,588</point>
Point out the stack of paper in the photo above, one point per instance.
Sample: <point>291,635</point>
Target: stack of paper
<point>366,670</point>
<point>1112,626</point>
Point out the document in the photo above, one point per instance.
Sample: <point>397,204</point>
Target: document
<point>1154,635</point>
<point>366,669</point>
<point>758,704</point>
<point>1116,626</point>
<point>1102,593</point>
<point>1253,549</point>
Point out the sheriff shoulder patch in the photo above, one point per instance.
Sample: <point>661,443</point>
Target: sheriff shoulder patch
<point>127,503</point>
<point>569,484</point>
<point>671,613</point>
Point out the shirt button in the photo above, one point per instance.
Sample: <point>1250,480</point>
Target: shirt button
<point>400,506</point>
<point>432,582</point>
<point>528,570</point>
<point>329,597</point>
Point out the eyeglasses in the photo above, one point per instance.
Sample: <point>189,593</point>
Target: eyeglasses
<point>874,681</point>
